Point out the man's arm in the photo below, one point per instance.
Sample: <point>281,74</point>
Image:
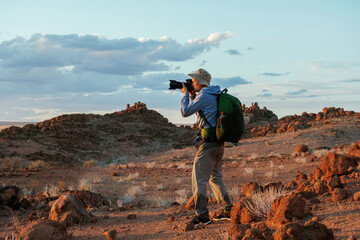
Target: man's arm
<point>189,108</point>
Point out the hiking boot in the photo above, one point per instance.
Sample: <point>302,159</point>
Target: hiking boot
<point>222,216</point>
<point>197,220</point>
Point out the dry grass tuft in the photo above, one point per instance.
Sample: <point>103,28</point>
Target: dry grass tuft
<point>89,163</point>
<point>10,162</point>
<point>37,164</point>
<point>259,203</point>
<point>62,185</point>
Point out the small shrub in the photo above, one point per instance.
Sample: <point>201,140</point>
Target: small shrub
<point>259,203</point>
<point>37,164</point>
<point>160,186</point>
<point>62,185</point>
<point>149,165</point>
<point>52,190</point>
<point>89,163</point>
<point>163,202</point>
<point>85,184</point>
<point>301,160</point>
<point>11,162</point>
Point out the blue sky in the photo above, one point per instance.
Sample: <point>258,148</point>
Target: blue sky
<point>61,57</point>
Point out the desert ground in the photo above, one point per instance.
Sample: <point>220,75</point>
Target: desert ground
<point>144,196</point>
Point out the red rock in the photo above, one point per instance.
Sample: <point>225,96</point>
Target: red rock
<point>90,198</point>
<point>317,173</point>
<point>284,209</point>
<point>69,210</point>
<point>357,196</point>
<point>334,182</point>
<point>237,231</point>
<point>250,188</point>
<point>240,214</point>
<point>43,230</point>
<point>355,150</point>
<point>300,176</point>
<point>320,187</point>
<point>310,231</point>
<point>10,196</point>
<point>301,148</point>
<point>339,194</point>
<point>131,216</point>
<point>335,164</point>
<point>110,235</point>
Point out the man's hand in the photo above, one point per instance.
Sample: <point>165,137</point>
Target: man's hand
<point>185,90</point>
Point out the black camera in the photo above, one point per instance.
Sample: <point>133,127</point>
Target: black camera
<point>178,85</point>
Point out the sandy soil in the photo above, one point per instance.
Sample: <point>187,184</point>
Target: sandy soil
<point>147,186</point>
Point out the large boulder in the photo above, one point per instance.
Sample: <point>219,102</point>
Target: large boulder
<point>310,231</point>
<point>240,213</point>
<point>335,164</point>
<point>43,230</point>
<point>284,209</point>
<point>10,196</point>
<point>69,210</point>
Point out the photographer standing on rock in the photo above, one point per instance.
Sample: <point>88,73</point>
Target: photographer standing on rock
<point>207,166</point>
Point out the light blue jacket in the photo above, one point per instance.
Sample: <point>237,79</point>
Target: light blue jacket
<point>205,100</point>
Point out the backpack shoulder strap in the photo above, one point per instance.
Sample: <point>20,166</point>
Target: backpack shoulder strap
<point>202,116</point>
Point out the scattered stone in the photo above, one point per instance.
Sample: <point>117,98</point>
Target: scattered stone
<point>253,233</point>
<point>171,219</point>
<point>110,235</point>
<point>310,231</point>
<point>90,199</point>
<point>69,210</point>
<point>237,231</point>
<point>301,148</point>
<point>355,150</point>
<point>240,214</point>
<point>334,182</point>
<point>187,227</point>
<point>357,196</point>
<point>320,187</point>
<point>250,188</point>
<point>306,190</point>
<point>317,173</point>
<point>339,194</point>
<point>131,216</point>
<point>300,176</point>
<point>284,209</point>
<point>43,230</point>
<point>10,196</point>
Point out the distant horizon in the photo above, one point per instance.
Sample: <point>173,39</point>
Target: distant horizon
<point>19,122</point>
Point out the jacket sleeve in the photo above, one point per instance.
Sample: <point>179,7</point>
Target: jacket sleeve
<point>189,108</point>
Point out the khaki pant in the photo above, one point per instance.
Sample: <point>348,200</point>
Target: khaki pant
<point>207,168</point>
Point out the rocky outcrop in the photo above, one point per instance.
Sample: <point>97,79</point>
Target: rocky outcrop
<point>296,122</point>
<point>70,137</point>
<point>69,210</point>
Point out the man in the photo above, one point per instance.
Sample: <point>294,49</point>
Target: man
<point>207,166</point>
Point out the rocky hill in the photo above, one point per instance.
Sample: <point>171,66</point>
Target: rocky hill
<point>81,137</point>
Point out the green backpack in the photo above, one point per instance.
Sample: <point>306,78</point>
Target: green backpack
<point>230,125</point>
